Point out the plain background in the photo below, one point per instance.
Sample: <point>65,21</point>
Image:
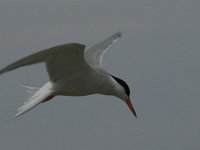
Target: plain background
<point>158,56</point>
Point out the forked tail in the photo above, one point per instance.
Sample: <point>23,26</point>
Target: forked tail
<point>38,97</point>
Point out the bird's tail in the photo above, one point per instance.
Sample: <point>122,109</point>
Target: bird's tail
<point>31,90</point>
<point>38,97</point>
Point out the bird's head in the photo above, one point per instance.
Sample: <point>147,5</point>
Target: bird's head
<point>123,92</point>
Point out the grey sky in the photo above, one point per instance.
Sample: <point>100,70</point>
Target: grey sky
<point>158,56</point>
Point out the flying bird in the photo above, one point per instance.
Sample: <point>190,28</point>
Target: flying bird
<point>73,71</point>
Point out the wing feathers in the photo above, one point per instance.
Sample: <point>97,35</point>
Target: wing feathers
<point>94,55</point>
<point>44,56</point>
<point>32,59</point>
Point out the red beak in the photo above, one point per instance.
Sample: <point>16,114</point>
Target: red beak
<point>129,104</point>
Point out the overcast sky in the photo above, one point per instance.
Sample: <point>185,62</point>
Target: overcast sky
<point>158,56</point>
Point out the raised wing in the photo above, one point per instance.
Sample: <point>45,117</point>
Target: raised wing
<point>93,56</point>
<point>68,60</point>
<point>59,60</point>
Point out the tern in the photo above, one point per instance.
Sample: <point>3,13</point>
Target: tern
<point>73,71</point>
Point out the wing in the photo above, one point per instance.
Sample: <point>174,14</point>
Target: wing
<point>68,60</point>
<point>93,56</point>
<point>59,60</point>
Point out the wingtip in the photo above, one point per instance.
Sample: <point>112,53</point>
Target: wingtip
<point>118,34</point>
<point>114,37</point>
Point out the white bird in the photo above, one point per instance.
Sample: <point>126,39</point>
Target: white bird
<point>73,71</point>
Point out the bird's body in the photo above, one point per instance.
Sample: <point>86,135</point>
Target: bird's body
<point>73,71</point>
<point>82,87</point>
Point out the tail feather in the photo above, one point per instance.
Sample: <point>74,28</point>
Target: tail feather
<point>30,90</point>
<point>39,96</point>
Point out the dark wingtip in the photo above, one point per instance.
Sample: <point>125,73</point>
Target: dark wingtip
<point>117,35</point>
